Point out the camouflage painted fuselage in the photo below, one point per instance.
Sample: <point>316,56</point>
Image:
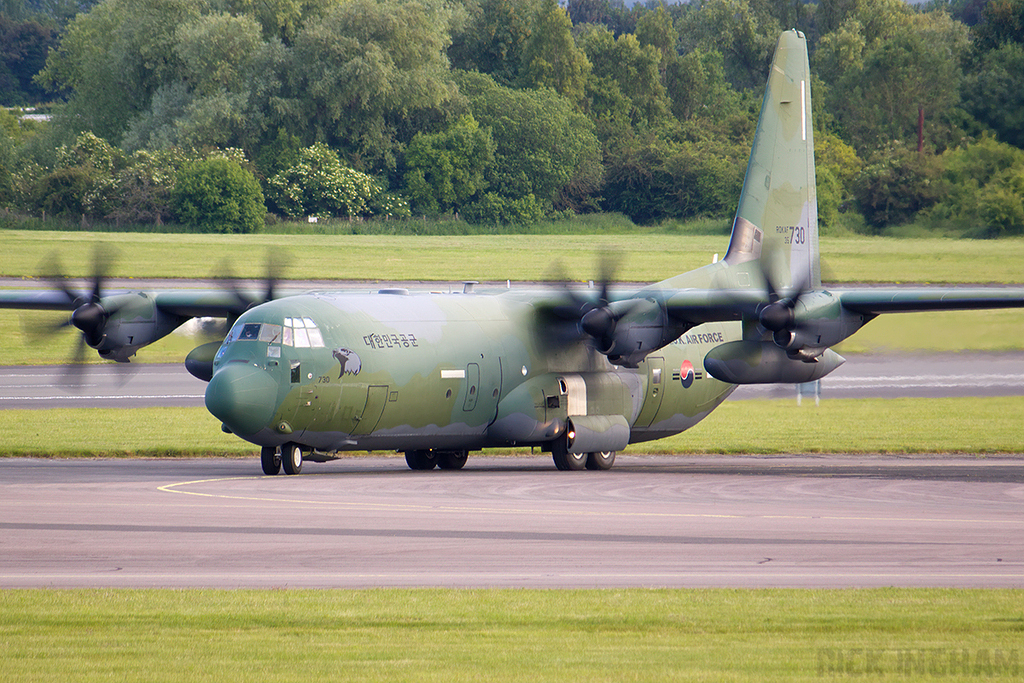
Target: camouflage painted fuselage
<point>408,371</point>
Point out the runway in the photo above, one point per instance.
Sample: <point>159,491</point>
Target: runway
<point>111,385</point>
<point>660,521</point>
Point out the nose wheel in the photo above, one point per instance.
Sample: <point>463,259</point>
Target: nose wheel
<point>270,459</point>
<point>291,458</point>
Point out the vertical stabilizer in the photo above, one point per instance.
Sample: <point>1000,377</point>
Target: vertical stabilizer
<point>777,218</point>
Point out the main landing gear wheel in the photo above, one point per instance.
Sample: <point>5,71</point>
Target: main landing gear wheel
<point>600,461</point>
<point>452,460</point>
<point>564,460</point>
<point>271,460</point>
<point>420,460</point>
<point>291,458</point>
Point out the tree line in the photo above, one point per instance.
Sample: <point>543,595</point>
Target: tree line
<point>503,110</point>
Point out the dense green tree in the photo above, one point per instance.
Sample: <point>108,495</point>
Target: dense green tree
<point>217,52</point>
<point>217,116</point>
<point>444,170</point>
<point>879,18</point>
<point>23,49</point>
<point>542,147</point>
<point>1002,21</point>
<point>632,67</point>
<point>837,168</point>
<point>655,28</point>
<point>1001,204</point>
<point>142,190</point>
<point>367,76</point>
<point>994,91</point>
<point>613,14</point>
<point>696,86</point>
<point>491,39</point>
<point>114,58</point>
<point>742,30</point>
<point>974,181</point>
<point>319,184</point>
<point>879,79</point>
<point>551,58</point>
<point>218,195</point>
<point>79,184</point>
<point>655,178</point>
<point>895,184</point>
<point>6,164</point>
<point>280,19</point>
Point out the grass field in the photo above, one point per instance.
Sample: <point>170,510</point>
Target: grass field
<point>645,257</point>
<point>512,635</point>
<point>948,425</point>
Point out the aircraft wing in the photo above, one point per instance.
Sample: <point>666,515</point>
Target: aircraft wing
<point>698,306</point>
<point>39,300</point>
<point>200,303</point>
<point>186,303</point>
<point>874,301</point>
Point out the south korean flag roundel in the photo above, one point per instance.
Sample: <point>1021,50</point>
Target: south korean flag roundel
<point>686,374</point>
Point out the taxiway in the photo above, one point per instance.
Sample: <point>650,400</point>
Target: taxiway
<point>682,521</point>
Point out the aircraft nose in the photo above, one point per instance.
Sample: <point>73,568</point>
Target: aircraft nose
<point>243,397</point>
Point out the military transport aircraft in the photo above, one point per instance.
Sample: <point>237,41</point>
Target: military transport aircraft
<point>578,373</point>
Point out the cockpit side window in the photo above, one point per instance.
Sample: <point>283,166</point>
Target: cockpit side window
<point>297,332</point>
<point>250,332</point>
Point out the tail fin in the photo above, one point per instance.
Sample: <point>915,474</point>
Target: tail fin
<point>777,218</point>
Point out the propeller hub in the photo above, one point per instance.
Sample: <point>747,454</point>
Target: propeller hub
<point>90,319</point>
<point>777,316</point>
<point>598,323</point>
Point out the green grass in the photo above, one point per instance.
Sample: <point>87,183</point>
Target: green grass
<point>947,425</point>
<point>641,257</point>
<point>509,635</point>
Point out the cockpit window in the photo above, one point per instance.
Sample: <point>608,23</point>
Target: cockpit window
<point>250,332</point>
<point>297,332</point>
<point>271,333</point>
<point>302,333</point>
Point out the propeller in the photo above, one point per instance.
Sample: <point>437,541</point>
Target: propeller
<point>276,263</point>
<point>89,312</point>
<point>597,318</point>
<point>778,316</point>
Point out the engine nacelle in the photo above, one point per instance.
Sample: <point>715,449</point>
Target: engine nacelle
<point>637,328</point>
<point>818,321</point>
<point>135,321</point>
<point>754,362</point>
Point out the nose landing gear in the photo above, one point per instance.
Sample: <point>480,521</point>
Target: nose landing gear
<point>289,458</point>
